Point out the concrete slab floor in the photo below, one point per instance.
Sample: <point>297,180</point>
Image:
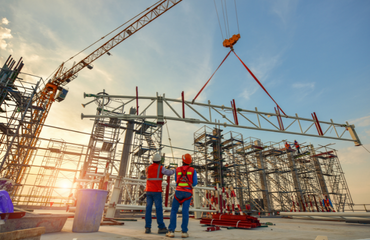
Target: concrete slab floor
<point>287,229</point>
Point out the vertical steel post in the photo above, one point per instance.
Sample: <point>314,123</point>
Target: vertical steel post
<point>297,185</point>
<point>122,168</point>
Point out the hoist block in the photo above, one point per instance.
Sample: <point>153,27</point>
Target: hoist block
<point>231,41</point>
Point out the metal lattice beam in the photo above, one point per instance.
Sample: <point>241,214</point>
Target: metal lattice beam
<point>257,120</point>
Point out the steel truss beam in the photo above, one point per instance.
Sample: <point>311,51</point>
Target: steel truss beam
<point>255,120</point>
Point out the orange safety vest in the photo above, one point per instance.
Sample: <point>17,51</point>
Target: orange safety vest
<point>154,178</point>
<point>296,144</point>
<point>287,146</point>
<point>184,177</point>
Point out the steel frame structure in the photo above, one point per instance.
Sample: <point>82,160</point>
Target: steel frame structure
<point>44,95</point>
<point>335,187</point>
<point>102,146</point>
<point>60,165</point>
<point>273,178</point>
<point>18,133</point>
<point>198,111</point>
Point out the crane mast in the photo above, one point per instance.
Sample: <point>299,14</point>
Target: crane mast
<point>16,163</point>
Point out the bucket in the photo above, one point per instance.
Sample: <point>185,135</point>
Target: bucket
<point>6,205</point>
<point>89,210</point>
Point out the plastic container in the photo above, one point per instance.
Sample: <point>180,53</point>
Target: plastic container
<point>89,210</point>
<point>6,205</point>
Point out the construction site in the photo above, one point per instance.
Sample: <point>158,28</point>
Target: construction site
<point>238,174</point>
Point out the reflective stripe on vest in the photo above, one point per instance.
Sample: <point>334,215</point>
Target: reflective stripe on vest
<point>183,185</point>
<point>154,178</point>
<point>187,173</point>
<point>157,178</point>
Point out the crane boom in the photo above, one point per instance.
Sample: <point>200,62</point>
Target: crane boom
<point>157,11</point>
<point>42,101</point>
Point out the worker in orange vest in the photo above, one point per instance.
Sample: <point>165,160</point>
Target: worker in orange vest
<point>186,179</point>
<point>287,146</point>
<point>154,174</point>
<point>297,146</point>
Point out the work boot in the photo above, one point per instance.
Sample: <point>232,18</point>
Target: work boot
<point>170,234</point>
<point>147,230</point>
<point>162,230</point>
<point>184,235</point>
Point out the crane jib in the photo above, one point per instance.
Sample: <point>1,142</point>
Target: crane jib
<point>155,12</point>
<point>44,99</point>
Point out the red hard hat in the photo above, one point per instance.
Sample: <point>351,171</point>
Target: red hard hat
<point>186,158</point>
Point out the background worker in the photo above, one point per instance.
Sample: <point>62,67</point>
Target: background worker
<point>287,146</point>
<point>154,174</point>
<point>297,146</point>
<point>186,179</point>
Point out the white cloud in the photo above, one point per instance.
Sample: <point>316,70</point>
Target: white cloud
<point>4,34</point>
<point>303,90</point>
<point>361,122</point>
<point>284,9</point>
<point>248,92</point>
<point>354,155</point>
<point>265,64</point>
<point>304,85</point>
<point>261,68</point>
<point>5,21</point>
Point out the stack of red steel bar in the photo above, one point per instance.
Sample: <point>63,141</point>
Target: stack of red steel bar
<point>237,221</point>
<point>210,229</point>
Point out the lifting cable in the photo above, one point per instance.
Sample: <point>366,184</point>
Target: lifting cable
<point>250,72</point>
<point>255,78</point>
<point>211,77</point>
<point>218,18</point>
<point>169,138</point>
<point>230,43</point>
<point>114,30</point>
<point>365,148</point>
<point>236,14</point>
<point>227,19</point>
<point>104,37</point>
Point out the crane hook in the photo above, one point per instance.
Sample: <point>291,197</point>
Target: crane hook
<point>231,41</point>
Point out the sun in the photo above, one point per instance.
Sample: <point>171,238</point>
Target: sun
<point>65,184</point>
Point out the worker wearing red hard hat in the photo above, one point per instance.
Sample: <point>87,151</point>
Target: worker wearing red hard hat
<point>186,179</point>
<point>154,174</point>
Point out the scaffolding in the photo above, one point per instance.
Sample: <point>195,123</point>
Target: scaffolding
<point>269,177</point>
<point>19,121</point>
<point>147,142</point>
<point>208,157</point>
<point>100,160</point>
<point>280,184</point>
<point>256,178</point>
<point>331,177</point>
<point>58,164</point>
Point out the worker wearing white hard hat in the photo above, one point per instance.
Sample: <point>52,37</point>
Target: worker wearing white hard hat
<point>154,174</point>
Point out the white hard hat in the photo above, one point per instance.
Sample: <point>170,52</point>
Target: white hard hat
<point>157,158</point>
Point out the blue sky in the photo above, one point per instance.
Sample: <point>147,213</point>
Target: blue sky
<point>312,56</point>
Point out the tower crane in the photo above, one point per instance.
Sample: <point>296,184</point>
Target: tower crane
<point>15,163</point>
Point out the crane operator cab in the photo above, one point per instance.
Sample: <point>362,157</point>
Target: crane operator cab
<point>62,93</point>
